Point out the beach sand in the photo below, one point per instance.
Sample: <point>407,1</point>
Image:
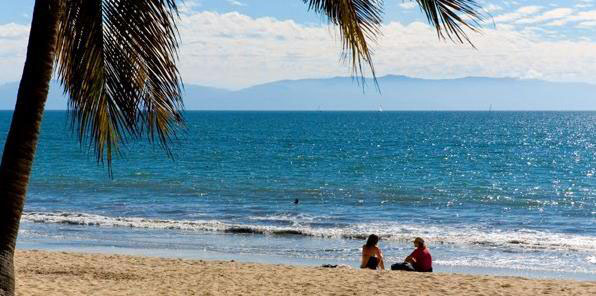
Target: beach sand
<point>64,273</point>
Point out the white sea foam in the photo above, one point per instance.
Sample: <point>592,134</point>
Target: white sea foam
<point>289,218</point>
<point>520,264</point>
<point>521,239</point>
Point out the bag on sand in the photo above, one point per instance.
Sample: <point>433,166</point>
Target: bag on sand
<point>403,266</point>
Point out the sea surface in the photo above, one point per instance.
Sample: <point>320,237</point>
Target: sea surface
<point>492,192</point>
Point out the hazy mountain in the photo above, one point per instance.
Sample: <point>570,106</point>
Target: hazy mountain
<point>8,95</point>
<point>403,93</point>
<point>396,93</point>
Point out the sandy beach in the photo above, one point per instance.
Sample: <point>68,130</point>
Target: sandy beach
<point>64,273</point>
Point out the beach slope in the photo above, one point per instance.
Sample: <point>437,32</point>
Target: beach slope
<point>63,273</point>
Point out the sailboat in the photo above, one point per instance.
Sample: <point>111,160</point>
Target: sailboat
<point>380,108</point>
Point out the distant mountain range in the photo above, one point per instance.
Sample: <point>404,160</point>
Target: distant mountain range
<point>396,93</point>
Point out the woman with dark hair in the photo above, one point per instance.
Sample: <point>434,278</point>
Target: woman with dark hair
<point>372,257</point>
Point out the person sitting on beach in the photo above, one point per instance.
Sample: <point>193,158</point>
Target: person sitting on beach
<point>420,260</point>
<point>372,257</point>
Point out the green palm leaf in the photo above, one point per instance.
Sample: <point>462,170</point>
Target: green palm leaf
<point>116,61</point>
<point>359,22</point>
<point>451,17</point>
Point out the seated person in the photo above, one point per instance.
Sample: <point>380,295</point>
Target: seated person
<point>420,259</point>
<point>372,257</point>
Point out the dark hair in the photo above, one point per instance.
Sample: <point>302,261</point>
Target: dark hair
<point>372,241</point>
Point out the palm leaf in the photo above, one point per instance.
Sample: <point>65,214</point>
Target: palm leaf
<point>359,21</point>
<point>116,61</point>
<point>451,17</point>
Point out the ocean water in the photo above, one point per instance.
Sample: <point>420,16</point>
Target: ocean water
<point>492,192</point>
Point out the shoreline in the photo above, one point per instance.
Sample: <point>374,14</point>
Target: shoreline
<point>194,254</point>
<point>69,273</point>
<point>290,250</point>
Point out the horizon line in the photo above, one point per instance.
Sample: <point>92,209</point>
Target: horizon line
<point>358,80</point>
<point>340,110</point>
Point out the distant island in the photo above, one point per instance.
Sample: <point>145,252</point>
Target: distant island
<point>396,93</point>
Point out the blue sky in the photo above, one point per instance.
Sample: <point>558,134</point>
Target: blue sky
<point>19,11</point>
<point>238,43</point>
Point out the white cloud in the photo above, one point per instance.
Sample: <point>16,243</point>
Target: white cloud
<point>236,3</point>
<point>500,53</point>
<point>13,45</point>
<point>13,31</point>
<point>557,23</point>
<point>492,7</point>
<point>583,16</point>
<point>532,74</point>
<point>233,50</point>
<point>553,14</point>
<point>408,5</point>
<point>519,13</point>
<point>584,3</point>
<point>587,25</point>
<point>188,6</point>
<point>526,10</point>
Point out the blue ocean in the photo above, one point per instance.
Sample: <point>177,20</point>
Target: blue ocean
<point>509,193</point>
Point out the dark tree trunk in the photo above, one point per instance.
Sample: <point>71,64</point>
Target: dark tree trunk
<point>21,142</point>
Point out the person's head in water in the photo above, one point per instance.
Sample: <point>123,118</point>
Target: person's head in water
<point>372,241</point>
<point>419,242</point>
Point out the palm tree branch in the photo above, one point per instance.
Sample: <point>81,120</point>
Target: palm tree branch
<point>450,18</point>
<point>359,22</point>
<point>116,61</point>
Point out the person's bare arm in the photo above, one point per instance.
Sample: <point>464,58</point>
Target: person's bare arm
<point>365,258</point>
<point>380,256</point>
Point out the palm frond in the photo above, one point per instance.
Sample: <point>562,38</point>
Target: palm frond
<point>359,22</point>
<point>116,61</point>
<point>451,17</point>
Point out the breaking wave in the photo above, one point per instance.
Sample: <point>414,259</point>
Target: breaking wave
<point>525,239</point>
